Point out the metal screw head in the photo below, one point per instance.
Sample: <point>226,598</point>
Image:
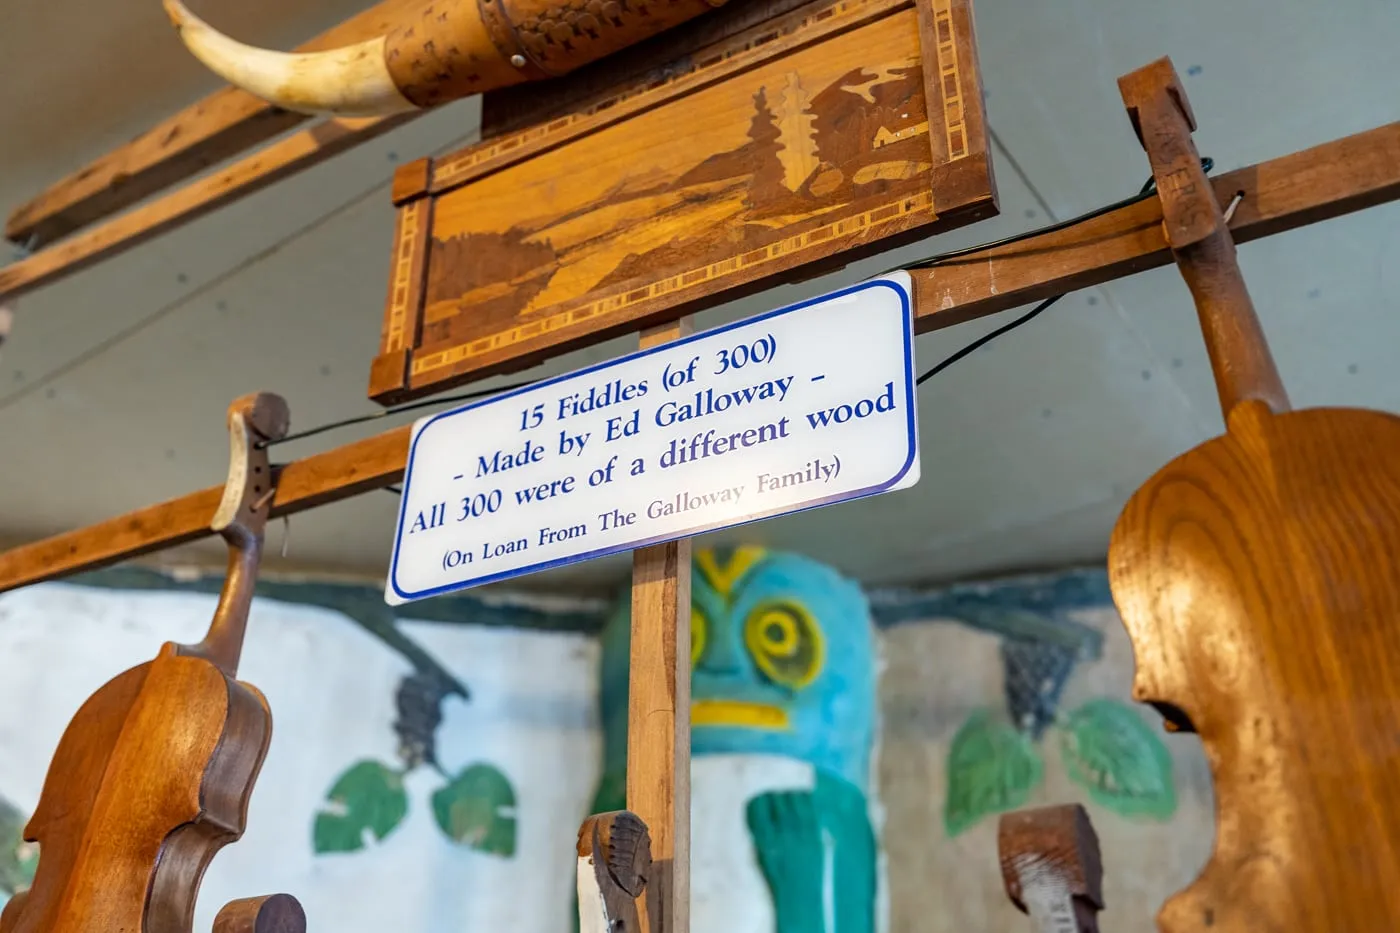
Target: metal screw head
<point>518,61</point>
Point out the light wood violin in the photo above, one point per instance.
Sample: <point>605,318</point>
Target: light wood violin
<point>1258,576</point>
<point>154,773</point>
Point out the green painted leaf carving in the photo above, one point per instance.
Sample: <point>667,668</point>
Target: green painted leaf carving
<point>992,767</point>
<point>478,810</point>
<point>368,796</point>
<point>1115,756</point>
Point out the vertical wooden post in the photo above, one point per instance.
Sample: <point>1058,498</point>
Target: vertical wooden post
<point>658,715</point>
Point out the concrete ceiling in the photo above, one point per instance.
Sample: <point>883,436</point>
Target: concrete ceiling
<point>113,387</point>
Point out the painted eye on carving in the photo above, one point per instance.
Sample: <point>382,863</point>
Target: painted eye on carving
<point>785,643</point>
<point>699,628</point>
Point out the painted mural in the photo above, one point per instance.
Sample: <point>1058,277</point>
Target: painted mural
<point>995,760</point>
<point>474,807</point>
<point>782,731</point>
<point>428,772</point>
<point>410,778</point>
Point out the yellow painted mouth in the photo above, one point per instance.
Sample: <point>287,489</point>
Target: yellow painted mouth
<point>738,713</point>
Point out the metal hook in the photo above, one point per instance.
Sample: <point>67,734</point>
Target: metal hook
<point>1234,203</point>
<point>265,498</point>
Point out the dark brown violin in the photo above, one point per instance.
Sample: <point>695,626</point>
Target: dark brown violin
<point>154,773</point>
<point>1258,576</point>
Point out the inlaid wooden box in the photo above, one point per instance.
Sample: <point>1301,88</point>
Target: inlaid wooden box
<point>839,129</point>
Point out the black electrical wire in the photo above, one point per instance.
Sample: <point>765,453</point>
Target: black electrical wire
<point>396,410</point>
<point>1147,190</point>
<point>984,340</point>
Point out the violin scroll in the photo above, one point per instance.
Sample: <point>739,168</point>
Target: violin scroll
<point>253,421</point>
<point>241,518</point>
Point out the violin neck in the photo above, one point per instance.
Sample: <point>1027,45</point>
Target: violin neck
<point>1200,239</point>
<point>223,644</point>
<point>1239,353</point>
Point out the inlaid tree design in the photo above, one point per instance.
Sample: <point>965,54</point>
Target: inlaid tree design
<point>796,133</point>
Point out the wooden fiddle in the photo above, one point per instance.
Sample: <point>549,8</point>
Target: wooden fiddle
<point>154,772</point>
<point>1258,576</point>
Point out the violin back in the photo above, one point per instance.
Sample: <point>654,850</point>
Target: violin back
<point>151,778</point>
<point>1258,577</point>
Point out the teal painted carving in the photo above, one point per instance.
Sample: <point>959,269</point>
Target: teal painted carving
<point>846,819</point>
<point>478,809</point>
<point>367,798</point>
<point>783,664</point>
<point>1118,759</point>
<point>992,768</point>
<point>787,837</point>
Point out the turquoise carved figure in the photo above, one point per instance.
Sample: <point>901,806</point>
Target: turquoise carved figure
<point>782,727</point>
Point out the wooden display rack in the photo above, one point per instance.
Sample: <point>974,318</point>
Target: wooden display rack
<point>1326,181</point>
<point>442,328</point>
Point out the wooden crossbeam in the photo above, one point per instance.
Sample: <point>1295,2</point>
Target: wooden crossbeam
<point>1326,181</point>
<point>1281,194</point>
<point>265,167</point>
<point>230,122</point>
<point>205,133</point>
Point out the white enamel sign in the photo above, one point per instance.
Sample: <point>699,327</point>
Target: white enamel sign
<point>804,406</point>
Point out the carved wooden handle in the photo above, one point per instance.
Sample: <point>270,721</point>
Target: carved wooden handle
<point>241,518</point>
<point>1051,867</point>
<point>614,859</point>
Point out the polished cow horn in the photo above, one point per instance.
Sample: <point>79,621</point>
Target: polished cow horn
<point>351,81</point>
<point>448,50</point>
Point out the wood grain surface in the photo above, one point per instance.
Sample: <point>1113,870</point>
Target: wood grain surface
<point>802,142</point>
<point>1256,576</point>
<point>658,714</point>
<point>267,166</point>
<point>218,127</point>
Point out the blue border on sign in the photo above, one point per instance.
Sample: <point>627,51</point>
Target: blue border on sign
<point>912,428</point>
